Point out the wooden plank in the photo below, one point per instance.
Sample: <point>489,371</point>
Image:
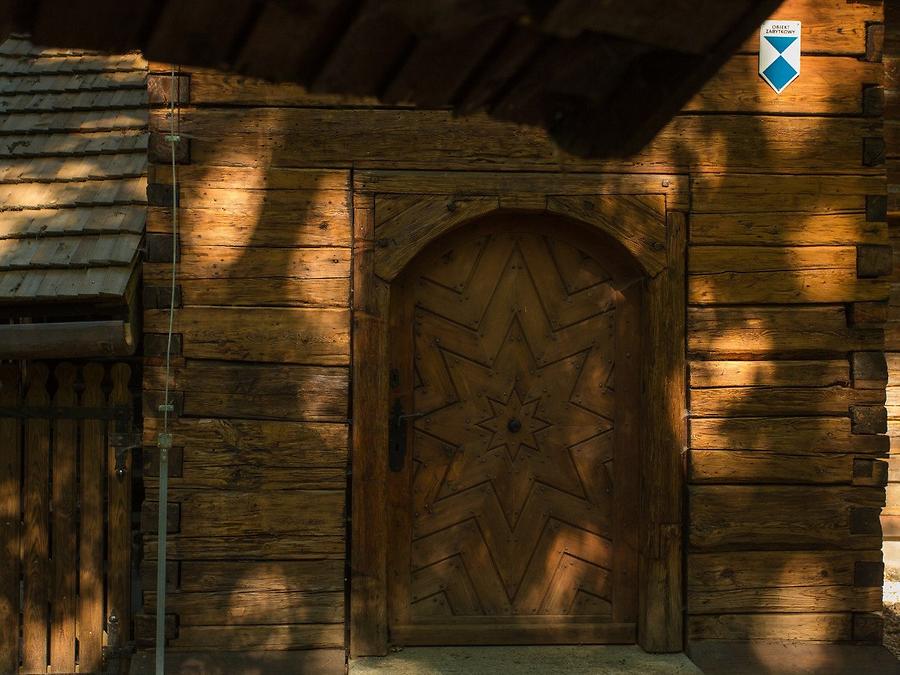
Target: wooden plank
<point>829,26</point>
<point>10,518</point>
<point>368,583</point>
<point>763,193</point>
<point>260,292</point>
<point>762,401</point>
<point>325,189</point>
<point>378,138</point>
<point>306,219</point>
<point>831,85</point>
<point>788,331</point>
<point>242,638</point>
<point>232,513</point>
<point>809,274</point>
<point>311,576</point>
<point>263,547</point>
<point>229,608</point>
<point>660,615</point>
<point>755,467</point>
<point>237,263</point>
<point>118,530</point>
<point>796,434</point>
<point>780,581</point>
<point>757,517</point>
<point>213,87</point>
<point>247,455</point>
<point>93,470</point>
<point>769,373</point>
<point>309,336</point>
<point>36,539</point>
<point>517,633</point>
<point>801,626</point>
<point>489,183</point>
<point>257,391</point>
<point>63,527</point>
<point>775,228</point>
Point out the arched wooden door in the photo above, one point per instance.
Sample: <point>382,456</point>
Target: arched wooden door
<point>513,492</point>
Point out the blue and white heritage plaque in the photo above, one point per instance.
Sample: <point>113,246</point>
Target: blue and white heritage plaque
<point>779,53</point>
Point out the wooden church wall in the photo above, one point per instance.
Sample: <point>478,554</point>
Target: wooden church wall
<point>787,296</point>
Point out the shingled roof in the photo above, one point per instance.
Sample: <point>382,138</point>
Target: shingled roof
<point>73,167</point>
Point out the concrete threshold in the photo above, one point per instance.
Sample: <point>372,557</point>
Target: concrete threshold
<point>575,660</point>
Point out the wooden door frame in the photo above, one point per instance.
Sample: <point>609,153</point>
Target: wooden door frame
<point>396,214</point>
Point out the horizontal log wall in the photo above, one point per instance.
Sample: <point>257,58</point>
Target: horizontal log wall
<point>787,298</point>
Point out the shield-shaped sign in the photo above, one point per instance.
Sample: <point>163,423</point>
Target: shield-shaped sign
<point>779,53</point>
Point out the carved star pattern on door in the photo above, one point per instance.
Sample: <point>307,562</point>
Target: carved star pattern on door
<point>512,491</point>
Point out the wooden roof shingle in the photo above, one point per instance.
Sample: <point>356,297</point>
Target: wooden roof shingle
<point>73,173</point>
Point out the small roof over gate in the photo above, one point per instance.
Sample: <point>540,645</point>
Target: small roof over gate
<point>73,174</point>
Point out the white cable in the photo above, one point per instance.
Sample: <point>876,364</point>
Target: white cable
<point>164,442</point>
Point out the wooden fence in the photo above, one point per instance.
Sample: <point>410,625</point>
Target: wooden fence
<point>65,504</point>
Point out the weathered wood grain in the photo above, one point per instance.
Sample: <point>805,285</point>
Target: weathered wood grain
<point>252,608</point>
<point>797,434</point>
<point>235,263</point>
<point>10,518</point>
<point>744,274</point>
<point>244,455</point>
<point>788,467</point>
<point>311,576</point>
<point>788,331</point>
<point>63,544</point>
<point>232,513</point>
<point>90,586</point>
<point>769,373</point>
<point>766,517</point>
<point>780,581</point>
<point>778,228</point>
<point>829,86</point>
<point>313,220</point>
<point>242,638</point>
<point>730,193</point>
<point>36,531</point>
<point>118,526</point>
<point>258,391</point>
<point>263,547</point>
<point>262,292</point>
<point>379,138</point>
<point>761,401</point>
<point>309,336</point>
<point>829,26</point>
<point>503,184</point>
<point>831,627</point>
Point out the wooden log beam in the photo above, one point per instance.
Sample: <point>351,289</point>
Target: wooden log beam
<point>84,339</point>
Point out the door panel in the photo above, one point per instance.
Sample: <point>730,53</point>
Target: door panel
<point>514,518</point>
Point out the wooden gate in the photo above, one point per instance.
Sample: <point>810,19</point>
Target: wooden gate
<point>65,504</point>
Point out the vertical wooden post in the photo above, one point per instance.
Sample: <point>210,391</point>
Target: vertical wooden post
<point>119,527</point>
<point>10,519</point>
<point>90,595</point>
<point>368,588</point>
<point>660,627</point>
<point>36,534</point>
<point>62,601</point>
